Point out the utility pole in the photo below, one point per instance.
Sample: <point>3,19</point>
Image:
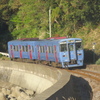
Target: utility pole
<point>50,21</point>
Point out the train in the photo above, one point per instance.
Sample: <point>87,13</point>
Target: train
<point>55,51</point>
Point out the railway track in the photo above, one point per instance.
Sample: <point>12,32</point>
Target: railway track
<point>86,73</point>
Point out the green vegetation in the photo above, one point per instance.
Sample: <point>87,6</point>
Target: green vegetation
<point>1,55</point>
<point>98,62</point>
<point>29,18</point>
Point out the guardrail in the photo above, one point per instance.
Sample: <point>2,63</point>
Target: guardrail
<point>5,54</point>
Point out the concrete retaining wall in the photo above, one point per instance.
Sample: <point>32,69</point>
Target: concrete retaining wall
<point>31,76</point>
<point>49,83</point>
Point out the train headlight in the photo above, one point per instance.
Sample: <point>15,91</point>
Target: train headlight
<point>64,55</point>
<point>79,54</point>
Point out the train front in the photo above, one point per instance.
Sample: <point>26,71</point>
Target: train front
<point>71,52</point>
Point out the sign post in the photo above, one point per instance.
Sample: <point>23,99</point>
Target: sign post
<point>93,47</point>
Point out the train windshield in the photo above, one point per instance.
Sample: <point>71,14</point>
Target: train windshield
<point>70,46</point>
<point>78,46</point>
<point>63,47</point>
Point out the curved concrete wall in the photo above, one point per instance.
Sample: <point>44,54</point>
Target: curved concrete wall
<point>42,79</point>
<point>49,83</point>
<point>31,76</point>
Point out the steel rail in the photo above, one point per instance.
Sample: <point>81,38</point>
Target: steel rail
<point>86,73</point>
<point>97,74</point>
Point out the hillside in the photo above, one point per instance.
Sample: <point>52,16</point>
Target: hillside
<point>91,38</point>
<point>30,18</point>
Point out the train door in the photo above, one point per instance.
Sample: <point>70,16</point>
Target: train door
<point>79,50</point>
<point>72,53</point>
<point>64,55</point>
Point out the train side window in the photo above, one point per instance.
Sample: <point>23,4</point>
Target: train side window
<point>63,47</point>
<point>78,46</point>
<point>32,48</point>
<point>23,49</point>
<point>42,49</point>
<point>26,47</point>
<point>50,49</point>
<point>13,48</point>
<point>16,48</point>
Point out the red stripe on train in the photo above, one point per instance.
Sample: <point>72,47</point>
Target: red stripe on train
<point>46,53</point>
<point>55,54</point>
<point>20,48</point>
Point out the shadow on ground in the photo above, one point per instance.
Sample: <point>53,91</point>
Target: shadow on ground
<point>76,89</point>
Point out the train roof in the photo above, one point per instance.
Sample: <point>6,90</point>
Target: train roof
<point>61,39</point>
<point>52,39</point>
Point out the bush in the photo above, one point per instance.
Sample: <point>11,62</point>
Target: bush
<point>1,55</point>
<point>98,62</point>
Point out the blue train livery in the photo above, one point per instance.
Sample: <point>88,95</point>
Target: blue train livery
<point>56,51</point>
